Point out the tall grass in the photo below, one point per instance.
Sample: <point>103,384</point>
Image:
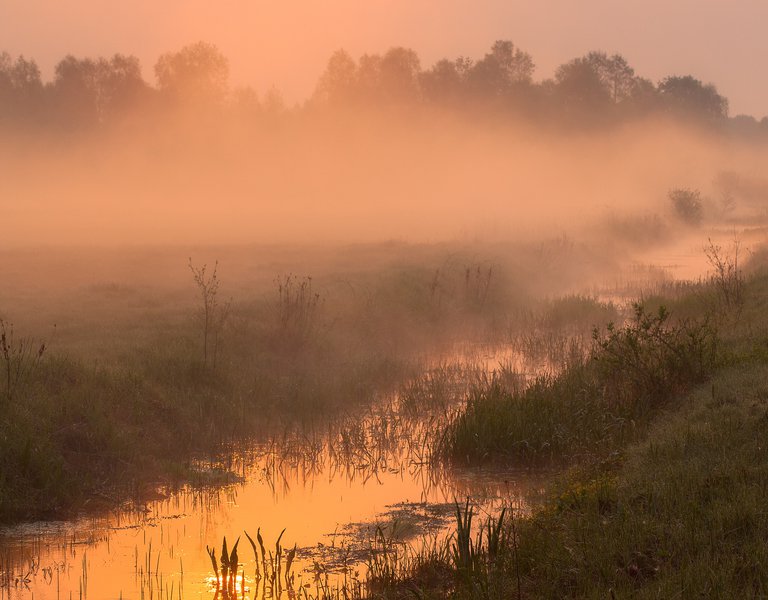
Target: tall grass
<point>19,357</point>
<point>672,509</point>
<point>297,308</point>
<point>681,515</point>
<point>594,404</point>
<point>474,561</point>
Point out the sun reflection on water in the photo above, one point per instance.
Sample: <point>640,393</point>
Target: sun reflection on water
<point>331,487</point>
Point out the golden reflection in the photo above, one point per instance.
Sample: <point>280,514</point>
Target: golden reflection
<point>327,487</point>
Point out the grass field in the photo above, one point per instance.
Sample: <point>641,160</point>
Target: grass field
<point>662,499</point>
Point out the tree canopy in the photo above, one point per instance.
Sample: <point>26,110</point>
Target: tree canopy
<point>596,89</point>
<point>198,73</point>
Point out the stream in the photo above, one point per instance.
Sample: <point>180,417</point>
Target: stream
<point>325,496</point>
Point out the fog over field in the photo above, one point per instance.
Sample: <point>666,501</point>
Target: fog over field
<point>349,275</point>
<point>368,179</point>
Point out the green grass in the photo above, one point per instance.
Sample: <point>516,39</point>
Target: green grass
<point>683,515</point>
<point>675,508</point>
<point>594,404</point>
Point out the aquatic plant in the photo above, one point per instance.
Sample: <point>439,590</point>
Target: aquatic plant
<point>227,581</point>
<point>270,576</point>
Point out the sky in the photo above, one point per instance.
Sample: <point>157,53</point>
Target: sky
<point>286,43</point>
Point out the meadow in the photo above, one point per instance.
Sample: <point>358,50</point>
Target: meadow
<point>658,434</point>
<point>150,370</point>
<point>191,356</point>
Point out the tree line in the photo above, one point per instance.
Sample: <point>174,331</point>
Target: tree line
<point>590,90</point>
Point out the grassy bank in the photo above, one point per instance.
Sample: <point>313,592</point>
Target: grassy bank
<point>78,432</point>
<point>143,375</point>
<point>667,465</point>
<point>596,403</point>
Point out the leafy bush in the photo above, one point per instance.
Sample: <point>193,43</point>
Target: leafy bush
<point>650,359</point>
<point>687,204</point>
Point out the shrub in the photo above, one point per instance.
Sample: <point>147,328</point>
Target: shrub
<point>727,276</point>
<point>650,359</point>
<point>687,204</point>
<point>213,315</point>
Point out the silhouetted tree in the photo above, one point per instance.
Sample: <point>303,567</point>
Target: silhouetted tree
<point>445,82</point>
<point>368,77</point>
<point>385,80</point>
<point>596,86</point>
<point>120,84</point>
<point>615,74</point>
<point>399,71</point>
<point>338,84</point>
<point>21,89</point>
<point>274,103</point>
<point>74,92</point>
<point>580,90</point>
<point>501,70</point>
<point>245,103</point>
<point>196,74</point>
<point>89,92</point>
<point>685,95</point>
<point>643,99</point>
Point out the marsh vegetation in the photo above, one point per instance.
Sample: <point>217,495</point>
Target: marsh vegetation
<point>226,383</point>
<point>315,391</point>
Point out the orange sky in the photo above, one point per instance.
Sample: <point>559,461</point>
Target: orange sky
<point>287,42</point>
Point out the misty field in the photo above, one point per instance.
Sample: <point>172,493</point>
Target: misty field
<point>437,331</point>
<point>235,368</point>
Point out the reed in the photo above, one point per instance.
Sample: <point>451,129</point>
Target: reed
<point>594,403</point>
<point>20,357</point>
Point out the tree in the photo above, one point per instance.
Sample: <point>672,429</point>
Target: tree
<point>21,89</point>
<point>120,84</point>
<point>644,96</point>
<point>389,79</point>
<point>580,88</point>
<point>615,74</point>
<point>368,77</point>
<point>501,70</point>
<point>687,96</point>
<point>274,102</point>
<point>339,82</point>
<point>445,81</point>
<point>89,92</point>
<point>599,84</point>
<point>245,103</point>
<point>196,74</point>
<point>399,71</point>
<point>75,93</point>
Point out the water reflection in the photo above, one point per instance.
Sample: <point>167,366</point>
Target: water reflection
<point>331,493</point>
<point>319,495</point>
